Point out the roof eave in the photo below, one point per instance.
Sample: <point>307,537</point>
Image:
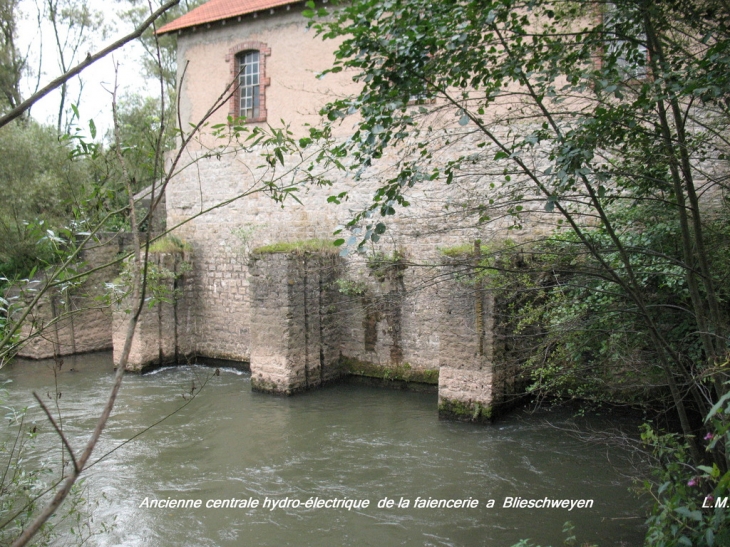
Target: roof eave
<point>231,18</point>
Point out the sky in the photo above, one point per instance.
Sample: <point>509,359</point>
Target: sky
<point>98,80</point>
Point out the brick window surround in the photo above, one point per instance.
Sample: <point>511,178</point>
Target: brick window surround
<point>264,81</point>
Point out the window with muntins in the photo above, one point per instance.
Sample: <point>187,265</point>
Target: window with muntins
<point>249,84</point>
<point>247,62</point>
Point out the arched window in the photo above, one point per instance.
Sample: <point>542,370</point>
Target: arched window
<point>248,74</point>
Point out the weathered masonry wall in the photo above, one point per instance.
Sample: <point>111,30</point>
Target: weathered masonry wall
<point>393,307</point>
<point>399,315</point>
<point>312,322</point>
<point>76,319</point>
<point>389,312</point>
<point>295,333</point>
<point>466,349</point>
<point>165,331</point>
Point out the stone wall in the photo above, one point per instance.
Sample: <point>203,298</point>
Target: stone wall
<point>72,319</point>
<point>466,350</point>
<point>165,331</point>
<point>395,304</point>
<point>295,329</point>
<point>388,311</point>
<point>312,321</point>
<point>398,314</point>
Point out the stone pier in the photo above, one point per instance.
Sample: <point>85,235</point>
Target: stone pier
<point>295,336</point>
<point>313,317</point>
<point>466,351</point>
<point>165,329</point>
<point>305,330</point>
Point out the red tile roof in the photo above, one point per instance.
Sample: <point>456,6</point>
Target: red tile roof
<point>217,10</point>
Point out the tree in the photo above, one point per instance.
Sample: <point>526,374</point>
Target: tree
<point>129,145</point>
<point>591,110</point>
<point>90,59</point>
<point>40,188</point>
<point>75,26</point>
<point>12,63</point>
<point>160,61</point>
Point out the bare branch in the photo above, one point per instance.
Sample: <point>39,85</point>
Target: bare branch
<point>90,60</point>
<point>58,430</point>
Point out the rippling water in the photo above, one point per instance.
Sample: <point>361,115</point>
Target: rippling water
<point>344,441</point>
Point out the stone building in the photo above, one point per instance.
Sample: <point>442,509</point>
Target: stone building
<point>258,282</point>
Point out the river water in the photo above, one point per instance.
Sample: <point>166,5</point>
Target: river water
<point>343,442</point>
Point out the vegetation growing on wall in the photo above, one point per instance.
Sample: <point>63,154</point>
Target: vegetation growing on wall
<point>402,372</point>
<point>386,265</point>
<point>298,247</point>
<point>170,244</point>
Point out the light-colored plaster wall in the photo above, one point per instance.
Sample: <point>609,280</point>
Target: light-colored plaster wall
<point>297,57</point>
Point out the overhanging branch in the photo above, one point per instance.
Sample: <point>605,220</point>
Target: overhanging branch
<point>90,60</point>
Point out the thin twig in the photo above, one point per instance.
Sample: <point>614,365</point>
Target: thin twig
<point>146,429</point>
<point>58,430</point>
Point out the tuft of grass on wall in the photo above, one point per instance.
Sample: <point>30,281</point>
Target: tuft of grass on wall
<point>170,244</point>
<point>458,250</point>
<point>486,249</point>
<point>299,247</point>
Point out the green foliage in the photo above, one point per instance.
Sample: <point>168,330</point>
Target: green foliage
<point>41,188</point>
<point>386,265</point>
<point>244,234</point>
<point>12,63</point>
<point>19,485</point>
<point>25,487</point>
<point>458,250</point>
<point>350,288</point>
<point>74,26</point>
<point>596,346</point>
<point>166,265</point>
<point>684,494</point>
<point>605,127</point>
<point>162,63</point>
<point>146,131</point>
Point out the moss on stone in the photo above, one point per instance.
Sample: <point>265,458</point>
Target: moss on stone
<point>431,376</point>
<point>458,250</point>
<point>298,247</point>
<point>462,411</point>
<point>403,372</point>
<point>263,386</point>
<point>170,244</point>
<point>387,266</point>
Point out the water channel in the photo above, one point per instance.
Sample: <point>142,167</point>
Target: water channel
<point>342,442</point>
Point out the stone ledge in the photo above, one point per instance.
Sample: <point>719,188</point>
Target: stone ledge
<point>403,372</point>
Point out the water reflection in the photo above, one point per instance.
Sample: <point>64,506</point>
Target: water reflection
<point>343,441</point>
